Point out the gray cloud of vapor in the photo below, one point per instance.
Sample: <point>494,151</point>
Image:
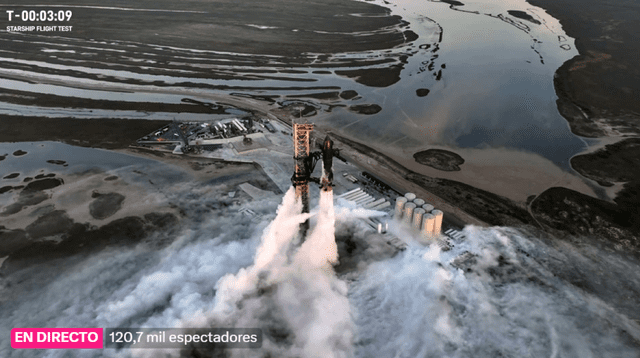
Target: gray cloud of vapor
<point>493,295</point>
<point>499,292</point>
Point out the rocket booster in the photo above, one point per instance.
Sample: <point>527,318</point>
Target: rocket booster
<point>326,182</point>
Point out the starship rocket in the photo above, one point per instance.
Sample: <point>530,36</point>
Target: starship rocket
<point>326,182</point>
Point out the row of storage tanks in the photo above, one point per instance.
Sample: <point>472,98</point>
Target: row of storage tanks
<point>423,217</point>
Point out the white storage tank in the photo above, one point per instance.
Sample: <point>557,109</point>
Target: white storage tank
<point>428,223</point>
<point>400,201</point>
<point>410,196</point>
<point>381,206</point>
<point>357,197</point>
<point>408,213</point>
<point>353,195</point>
<point>375,203</point>
<point>438,225</point>
<point>366,201</point>
<point>419,202</point>
<point>349,192</point>
<point>428,207</point>
<point>417,218</point>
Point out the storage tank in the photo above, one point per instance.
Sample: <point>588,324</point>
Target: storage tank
<point>408,213</point>
<point>428,207</point>
<point>400,201</point>
<point>438,225</point>
<point>352,195</point>
<point>419,202</point>
<point>381,206</point>
<point>428,223</point>
<point>235,123</point>
<point>239,124</point>
<point>417,218</point>
<point>366,201</point>
<point>375,203</point>
<point>410,196</point>
<point>357,197</point>
<point>349,192</point>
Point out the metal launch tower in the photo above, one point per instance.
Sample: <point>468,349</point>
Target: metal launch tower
<point>305,161</point>
<point>302,172</point>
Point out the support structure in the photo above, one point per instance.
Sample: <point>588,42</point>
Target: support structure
<point>302,172</point>
<point>305,162</point>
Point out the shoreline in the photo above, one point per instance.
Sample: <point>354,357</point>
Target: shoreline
<point>598,89</point>
<point>106,132</point>
<point>462,203</point>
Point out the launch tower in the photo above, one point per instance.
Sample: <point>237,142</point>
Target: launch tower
<point>305,162</point>
<point>300,179</point>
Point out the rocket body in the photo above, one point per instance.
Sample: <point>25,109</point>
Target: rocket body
<point>326,182</point>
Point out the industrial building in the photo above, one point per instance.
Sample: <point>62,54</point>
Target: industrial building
<point>184,137</point>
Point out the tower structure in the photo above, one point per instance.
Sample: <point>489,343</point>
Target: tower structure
<point>305,161</point>
<point>302,172</point>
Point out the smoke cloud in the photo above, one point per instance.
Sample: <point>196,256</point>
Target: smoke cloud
<point>492,295</point>
<point>295,288</point>
<point>499,292</point>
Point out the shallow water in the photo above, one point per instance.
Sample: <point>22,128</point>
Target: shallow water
<point>496,89</point>
<point>78,160</point>
<point>489,74</point>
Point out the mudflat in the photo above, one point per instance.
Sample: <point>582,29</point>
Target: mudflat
<point>599,92</point>
<point>108,133</point>
<point>235,25</point>
<point>599,89</point>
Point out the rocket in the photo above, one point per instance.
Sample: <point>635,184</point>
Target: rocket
<point>305,162</point>
<point>326,182</point>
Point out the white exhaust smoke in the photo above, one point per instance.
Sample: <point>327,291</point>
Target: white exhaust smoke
<point>301,288</point>
<point>499,292</point>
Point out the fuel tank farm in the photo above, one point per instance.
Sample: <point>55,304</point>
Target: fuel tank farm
<point>418,215</point>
